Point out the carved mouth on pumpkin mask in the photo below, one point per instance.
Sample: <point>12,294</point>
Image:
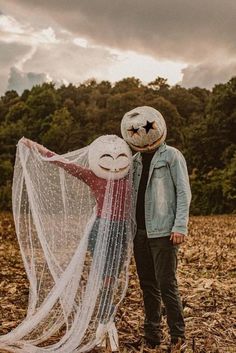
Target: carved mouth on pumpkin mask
<point>149,146</point>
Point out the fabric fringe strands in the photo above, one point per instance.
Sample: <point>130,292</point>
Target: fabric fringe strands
<point>74,229</point>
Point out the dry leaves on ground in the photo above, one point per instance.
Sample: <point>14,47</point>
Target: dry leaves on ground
<point>207,265</point>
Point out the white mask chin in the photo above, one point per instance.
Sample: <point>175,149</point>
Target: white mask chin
<point>143,128</point>
<point>109,157</point>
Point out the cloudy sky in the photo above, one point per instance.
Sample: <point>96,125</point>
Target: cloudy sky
<point>191,42</point>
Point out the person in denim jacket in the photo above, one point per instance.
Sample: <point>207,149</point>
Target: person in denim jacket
<point>162,194</point>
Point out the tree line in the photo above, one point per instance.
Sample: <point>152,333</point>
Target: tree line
<point>201,123</point>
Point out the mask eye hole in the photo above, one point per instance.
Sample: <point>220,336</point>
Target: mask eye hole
<point>133,131</point>
<point>149,126</point>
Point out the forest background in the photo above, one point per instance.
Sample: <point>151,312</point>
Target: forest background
<point>201,123</point>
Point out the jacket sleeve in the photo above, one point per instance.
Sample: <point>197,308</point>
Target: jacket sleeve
<point>179,173</point>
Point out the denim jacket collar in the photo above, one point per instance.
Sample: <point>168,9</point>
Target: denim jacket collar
<point>138,158</point>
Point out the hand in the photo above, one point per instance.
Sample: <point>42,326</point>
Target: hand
<point>177,238</point>
<point>27,142</point>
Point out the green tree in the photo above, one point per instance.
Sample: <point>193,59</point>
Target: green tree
<point>18,111</point>
<point>126,85</point>
<point>187,104</point>
<point>199,122</point>
<point>172,118</point>
<point>63,135</point>
<point>160,85</point>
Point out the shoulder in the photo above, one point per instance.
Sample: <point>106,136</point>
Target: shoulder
<point>172,150</point>
<point>173,154</point>
<point>136,159</point>
<point>136,156</point>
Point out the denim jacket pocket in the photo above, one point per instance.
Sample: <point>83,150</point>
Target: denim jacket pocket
<point>160,169</point>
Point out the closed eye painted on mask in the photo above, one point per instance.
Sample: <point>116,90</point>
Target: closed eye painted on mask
<point>110,157</point>
<point>143,128</point>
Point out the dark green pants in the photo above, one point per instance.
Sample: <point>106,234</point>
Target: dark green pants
<point>156,261</point>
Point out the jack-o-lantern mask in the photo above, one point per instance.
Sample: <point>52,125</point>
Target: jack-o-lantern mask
<point>109,157</point>
<point>143,128</point>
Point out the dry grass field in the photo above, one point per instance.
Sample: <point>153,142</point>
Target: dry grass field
<point>207,264</point>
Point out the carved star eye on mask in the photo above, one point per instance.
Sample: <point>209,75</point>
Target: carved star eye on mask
<point>143,128</point>
<point>109,157</point>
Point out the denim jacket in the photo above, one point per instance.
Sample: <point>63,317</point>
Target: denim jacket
<point>168,194</point>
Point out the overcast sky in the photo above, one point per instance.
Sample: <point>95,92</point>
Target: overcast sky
<point>191,42</point>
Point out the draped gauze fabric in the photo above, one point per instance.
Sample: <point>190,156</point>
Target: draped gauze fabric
<point>75,257</point>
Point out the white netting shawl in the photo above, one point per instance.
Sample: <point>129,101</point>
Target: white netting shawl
<point>75,252</point>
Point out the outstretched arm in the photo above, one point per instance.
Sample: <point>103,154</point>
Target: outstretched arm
<point>72,168</point>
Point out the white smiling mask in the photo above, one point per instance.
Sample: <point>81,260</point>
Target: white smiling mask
<point>109,157</point>
<point>143,128</point>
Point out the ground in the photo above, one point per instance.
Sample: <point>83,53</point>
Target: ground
<point>206,275</point>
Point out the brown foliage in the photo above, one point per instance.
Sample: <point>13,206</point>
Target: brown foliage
<point>206,280</point>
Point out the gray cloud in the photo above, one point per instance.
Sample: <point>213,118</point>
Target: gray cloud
<point>207,75</point>
<point>3,83</point>
<point>199,33</point>
<point>10,54</point>
<point>67,61</point>
<point>47,55</point>
<point>174,29</point>
<point>60,63</point>
<point>20,81</point>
